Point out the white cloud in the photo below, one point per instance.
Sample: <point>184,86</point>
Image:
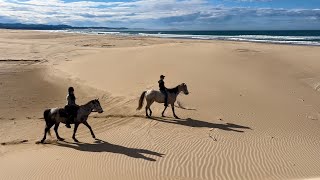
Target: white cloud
<point>143,13</point>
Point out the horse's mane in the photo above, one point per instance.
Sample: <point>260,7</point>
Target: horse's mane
<point>88,102</point>
<point>173,90</point>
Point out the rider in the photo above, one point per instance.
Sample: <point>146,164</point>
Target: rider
<point>71,107</point>
<point>163,89</point>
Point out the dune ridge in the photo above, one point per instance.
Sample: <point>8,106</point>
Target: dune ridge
<point>256,117</point>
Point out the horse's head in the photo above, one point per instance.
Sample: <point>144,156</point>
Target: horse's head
<point>184,88</point>
<point>96,106</point>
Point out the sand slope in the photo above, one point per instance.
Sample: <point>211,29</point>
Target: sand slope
<point>257,110</point>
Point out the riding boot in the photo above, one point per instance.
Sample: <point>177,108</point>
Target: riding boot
<point>68,122</point>
<point>68,125</point>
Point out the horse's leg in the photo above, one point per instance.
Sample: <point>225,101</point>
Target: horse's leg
<point>76,124</point>
<point>165,107</point>
<point>149,103</point>
<point>147,112</point>
<point>164,111</point>
<point>46,130</point>
<point>56,126</point>
<point>147,108</point>
<point>87,124</point>
<point>174,114</point>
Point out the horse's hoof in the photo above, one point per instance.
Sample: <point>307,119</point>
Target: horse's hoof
<point>75,140</point>
<point>42,141</point>
<point>94,137</point>
<point>163,115</point>
<point>60,139</point>
<point>177,117</point>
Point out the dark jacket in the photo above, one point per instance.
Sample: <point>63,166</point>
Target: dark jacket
<point>71,100</point>
<point>71,107</point>
<point>161,85</point>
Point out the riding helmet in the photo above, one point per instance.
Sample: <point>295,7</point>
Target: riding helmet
<point>70,89</point>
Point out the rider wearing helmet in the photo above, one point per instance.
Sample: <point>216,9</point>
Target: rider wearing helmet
<point>163,89</point>
<point>71,107</point>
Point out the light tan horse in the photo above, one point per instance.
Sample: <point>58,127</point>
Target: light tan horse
<point>156,96</point>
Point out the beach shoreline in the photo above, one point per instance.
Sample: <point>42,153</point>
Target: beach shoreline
<point>294,37</point>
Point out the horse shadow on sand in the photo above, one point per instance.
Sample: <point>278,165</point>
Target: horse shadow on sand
<point>187,122</point>
<point>103,146</point>
<point>198,123</point>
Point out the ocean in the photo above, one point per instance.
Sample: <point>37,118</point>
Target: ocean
<point>295,37</point>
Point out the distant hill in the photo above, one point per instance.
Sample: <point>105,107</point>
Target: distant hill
<point>49,27</point>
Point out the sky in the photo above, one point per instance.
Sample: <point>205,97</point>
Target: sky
<point>167,14</point>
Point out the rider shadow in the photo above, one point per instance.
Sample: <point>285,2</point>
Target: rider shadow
<point>197,123</point>
<point>103,146</point>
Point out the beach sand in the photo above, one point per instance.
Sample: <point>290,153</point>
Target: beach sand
<point>257,108</point>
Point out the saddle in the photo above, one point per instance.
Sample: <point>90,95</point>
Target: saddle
<point>63,113</point>
<point>69,111</point>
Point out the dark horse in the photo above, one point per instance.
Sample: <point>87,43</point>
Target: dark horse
<point>55,116</point>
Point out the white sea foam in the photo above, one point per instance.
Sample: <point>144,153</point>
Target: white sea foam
<point>296,40</point>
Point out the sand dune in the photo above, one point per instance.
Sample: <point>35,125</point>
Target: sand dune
<point>257,108</point>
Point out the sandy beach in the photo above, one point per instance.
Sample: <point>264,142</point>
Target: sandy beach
<point>256,108</point>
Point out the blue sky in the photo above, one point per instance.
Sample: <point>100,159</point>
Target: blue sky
<point>167,14</point>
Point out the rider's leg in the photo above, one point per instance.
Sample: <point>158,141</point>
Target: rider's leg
<point>74,112</point>
<point>69,116</point>
<point>166,98</point>
<point>68,121</point>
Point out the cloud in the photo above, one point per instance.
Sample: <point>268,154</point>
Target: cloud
<point>190,14</point>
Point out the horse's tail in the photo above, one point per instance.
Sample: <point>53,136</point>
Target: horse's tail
<point>141,100</point>
<point>46,115</point>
